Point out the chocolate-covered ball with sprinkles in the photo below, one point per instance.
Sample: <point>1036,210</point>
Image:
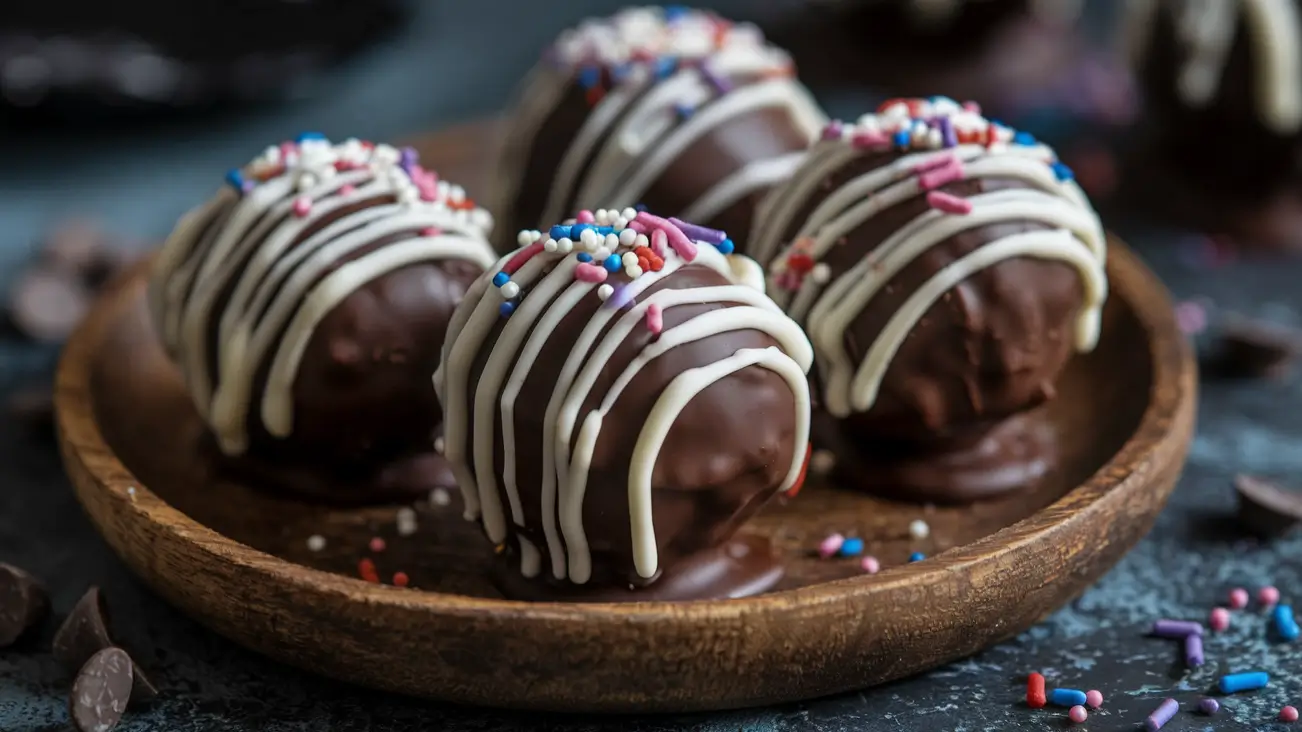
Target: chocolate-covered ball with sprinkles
<point>304,306</point>
<point>620,396</point>
<point>946,267</point>
<point>679,109</point>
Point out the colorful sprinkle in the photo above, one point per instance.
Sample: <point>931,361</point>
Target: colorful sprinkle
<point>501,278</point>
<point>918,529</point>
<point>366,570</point>
<point>1024,139</point>
<point>1161,715</point>
<point>901,138</point>
<point>684,110</point>
<point>725,247</point>
<point>949,203</point>
<point>830,545</point>
<point>521,258</point>
<point>506,309</point>
<point>1288,714</point>
<point>316,543</point>
<point>654,319</point>
<point>604,292</point>
<point>309,137</point>
<point>1176,629</point>
<point>302,206</point>
<point>699,233</point>
<point>852,547</point>
<point>400,579</point>
<point>938,177</point>
<point>1066,697</point>
<point>235,178</point>
<point>587,272</point>
<point>1193,650</point>
<point>1268,596</point>
<point>1035,696</point>
<point>947,136</point>
<point>1191,317</point>
<point>1249,681</point>
<point>870,565</point>
<point>833,129</point>
<point>1219,619</point>
<point>1238,598</point>
<point>584,217</point>
<point>1062,172</point>
<point>1209,706</point>
<point>1285,623</point>
<point>1093,698</point>
<point>1078,714</point>
<point>917,557</point>
<point>377,545</point>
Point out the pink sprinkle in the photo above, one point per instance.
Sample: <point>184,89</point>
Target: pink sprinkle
<point>302,206</point>
<point>585,217</point>
<point>832,131</point>
<point>659,240</point>
<point>830,545</point>
<point>870,565</point>
<point>522,256</point>
<point>654,319</point>
<point>1078,714</point>
<point>1288,714</point>
<point>1191,317</point>
<point>934,179</point>
<point>1094,698</point>
<point>868,140</point>
<point>1238,598</point>
<point>431,231</point>
<point>935,162</point>
<point>1219,619</point>
<point>972,107</point>
<point>949,203</point>
<point>347,190</point>
<point>377,545</point>
<point>588,272</point>
<point>1268,596</point>
<point>677,239</point>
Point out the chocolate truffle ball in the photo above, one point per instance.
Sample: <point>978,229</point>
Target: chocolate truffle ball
<point>945,268</point>
<point>1223,88</point>
<point>305,306</point>
<point>678,110</point>
<point>620,397</point>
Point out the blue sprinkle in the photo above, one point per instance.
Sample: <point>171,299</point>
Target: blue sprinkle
<point>589,76</point>
<point>620,72</point>
<point>577,230</point>
<point>1250,681</point>
<point>501,278</point>
<point>559,232</point>
<point>1066,697</point>
<point>1024,138</point>
<point>305,136</point>
<point>507,308</point>
<point>675,12</point>
<point>684,110</point>
<point>902,138</point>
<point>612,263</point>
<point>1063,172</point>
<point>666,66</point>
<point>236,179</point>
<point>917,557</point>
<point>725,247</point>
<point>605,230</point>
<point>1284,622</point>
<point>584,257</point>
<point>640,207</point>
<point>851,547</point>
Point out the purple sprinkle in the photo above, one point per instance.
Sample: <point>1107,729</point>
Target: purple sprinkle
<point>1178,629</point>
<point>832,131</point>
<point>621,297</point>
<point>247,186</point>
<point>1209,706</point>
<point>1193,650</point>
<point>409,158</point>
<point>699,233</point>
<point>947,135</point>
<point>721,84</point>
<point>1161,715</point>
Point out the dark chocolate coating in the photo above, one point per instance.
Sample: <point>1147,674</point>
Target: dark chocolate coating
<point>726,455</point>
<point>1223,147</point>
<point>365,412</point>
<point>724,149</point>
<point>894,25</point>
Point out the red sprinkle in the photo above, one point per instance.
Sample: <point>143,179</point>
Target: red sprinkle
<point>934,179</point>
<point>522,256</point>
<point>949,203</point>
<point>1288,714</point>
<point>1220,619</point>
<point>1035,697</point>
<point>794,490</point>
<point>431,231</point>
<point>377,545</point>
<point>1238,598</point>
<point>400,579</point>
<point>366,569</point>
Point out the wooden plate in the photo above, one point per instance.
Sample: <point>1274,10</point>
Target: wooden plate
<point>239,562</point>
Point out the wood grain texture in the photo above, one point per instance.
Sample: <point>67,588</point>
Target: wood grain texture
<point>237,559</point>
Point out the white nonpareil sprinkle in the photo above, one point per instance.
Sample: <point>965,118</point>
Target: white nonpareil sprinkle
<point>439,497</point>
<point>316,542</point>
<point>438,445</point>
<point>406,521</point>
<point>919,529</point>
<point>822,462</point>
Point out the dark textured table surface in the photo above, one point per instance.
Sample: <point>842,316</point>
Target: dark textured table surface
<point>1187,565</point>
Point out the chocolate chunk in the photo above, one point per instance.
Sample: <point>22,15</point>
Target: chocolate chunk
<point>1267,508</point>
<point>85,632</point>
<point>101,691</point>
<point>23,603</point>
<point>1255,349</point>
<point>46,305</point>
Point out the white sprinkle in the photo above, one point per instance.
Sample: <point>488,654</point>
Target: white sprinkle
<point>440,497</point>
<point>510,290</point>
<point>406,521</point>
<point>525,238</point>
<point>821,273</point>
<point>612,241</point>
<point>316,542</point>
<point>919,529</point>
<point>642,241</point>
<point>627,237</point>
<point>438,445</point>
<point>629,213</point>
<point>822,462</point>
<point>604,292</point>
<point>564,246</point>
<point>588,239</point>
<point>550,245</point>
<point>601,254</point>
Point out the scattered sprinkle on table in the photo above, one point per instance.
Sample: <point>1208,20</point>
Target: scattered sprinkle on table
<point>1078,714</point>
<point>1093,698</point>
<point>1066,697</point>
<point>1219,619</point>
<point>1238,598</point>
<point>1035,697</point>
<point>1209,706</point>
<point>1161,715</point>
<point>366,570</point>
<point>1288,714</point>
<point>1285,624</point>
<point>316,542</point>
<point>919,529</point>
<point>870,565</point>
<point>852,547</point>
<point>830,545</point>
<point>400,579</point>
<point>1193,650</point>
<point>1248,681</point>
<point>1178,629</point>
<point>377,544</point>
<point>1268,595</point>
<point>917,557</point>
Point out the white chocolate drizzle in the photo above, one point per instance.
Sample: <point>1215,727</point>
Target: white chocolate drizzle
<point>297,231</point>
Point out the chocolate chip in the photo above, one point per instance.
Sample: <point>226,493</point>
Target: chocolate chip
<point>46,305</point>
<point>1267,508</point>
<point>101,691</point>
<point>85,632</point>
<point>1256,349</point>
<point>23,603</point>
